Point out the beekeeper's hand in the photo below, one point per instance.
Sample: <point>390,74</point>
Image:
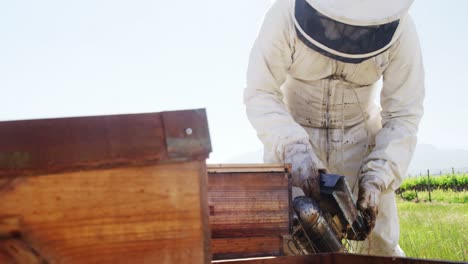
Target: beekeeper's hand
<point>305,169</point>
<point>370,187</point>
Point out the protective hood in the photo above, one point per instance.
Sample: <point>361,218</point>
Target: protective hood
<point>362,12</point>
<point>342,41</point>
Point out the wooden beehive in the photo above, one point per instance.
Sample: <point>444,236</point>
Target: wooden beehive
<point>105,189</point>
<point>340,258</point>
<point>249,209</point>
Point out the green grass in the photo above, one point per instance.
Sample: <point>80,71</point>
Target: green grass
<point>436,230</point>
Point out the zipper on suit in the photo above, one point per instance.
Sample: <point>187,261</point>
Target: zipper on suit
<point>337,72</point>
<point>327,118</point>
<point>339,67</point>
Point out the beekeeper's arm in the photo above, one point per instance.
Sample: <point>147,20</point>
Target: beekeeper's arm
<point>270,59</point>
<point>402,108</point>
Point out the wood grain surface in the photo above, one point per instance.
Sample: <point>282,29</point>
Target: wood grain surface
<point>337,258</point>
<point>246,247</point>
<point>44,146</point>
<point>239,168</point>
<point>249,212</point>
<point>105,189</point>
<point>147,214</point>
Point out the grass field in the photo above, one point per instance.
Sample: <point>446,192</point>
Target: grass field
<point>437,230</point>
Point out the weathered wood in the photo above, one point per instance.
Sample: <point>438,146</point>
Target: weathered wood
<point>10,226</point>
<point>17,251</point>
<point>149,214</point>
<point>247,208</point>
<point>245,247</point>
<point>4,258</point>
<point>238,168</point>
<point>248,204</point>
<point>32,147</point>
<point>123,189</point>
<point>337,258</point>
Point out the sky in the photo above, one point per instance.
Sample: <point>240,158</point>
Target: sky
<point>98,57</point>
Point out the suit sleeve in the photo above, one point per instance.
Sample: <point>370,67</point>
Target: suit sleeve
<point>269,62</point>
<point>402,109</point>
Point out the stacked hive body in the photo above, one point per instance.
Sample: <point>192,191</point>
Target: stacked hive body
<point>249,209</point>
<point>108,189</point>
<point>339,258</point>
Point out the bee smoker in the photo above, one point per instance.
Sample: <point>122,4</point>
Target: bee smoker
<point>324,226</point>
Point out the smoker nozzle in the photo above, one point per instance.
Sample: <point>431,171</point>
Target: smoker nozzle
<point>316,226</point>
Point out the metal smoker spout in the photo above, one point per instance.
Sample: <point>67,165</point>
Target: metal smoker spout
<point>326,225</point>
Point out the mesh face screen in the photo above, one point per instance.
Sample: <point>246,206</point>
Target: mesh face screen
<point>344,38</point>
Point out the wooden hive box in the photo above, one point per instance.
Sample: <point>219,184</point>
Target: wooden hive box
<point>340,258</point>
<point>105,189</point>
<point>249,209</point>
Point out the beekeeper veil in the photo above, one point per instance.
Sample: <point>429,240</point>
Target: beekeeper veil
<point>349,30</point>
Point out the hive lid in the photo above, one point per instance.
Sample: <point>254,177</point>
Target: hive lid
<point>231,168</point>
<point>31,147</point>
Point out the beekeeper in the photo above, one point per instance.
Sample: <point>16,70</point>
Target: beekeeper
<point>311,95</point>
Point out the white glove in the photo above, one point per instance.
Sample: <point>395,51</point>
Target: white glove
<point>370,188</point>
<point>305,169</point>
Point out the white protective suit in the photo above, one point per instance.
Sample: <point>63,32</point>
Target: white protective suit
<point>297,95</point>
